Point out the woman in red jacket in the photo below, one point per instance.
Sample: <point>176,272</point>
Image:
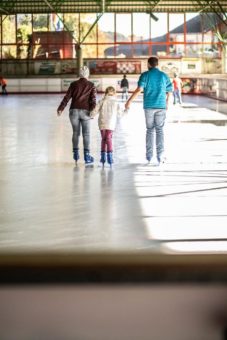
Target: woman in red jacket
<point>3,84</point>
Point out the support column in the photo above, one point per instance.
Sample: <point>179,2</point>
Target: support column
<point>79,56</point>
<point>224,58</point>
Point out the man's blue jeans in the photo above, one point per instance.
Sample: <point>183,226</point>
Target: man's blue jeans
<point>155,120</point>
<point>80,118</point>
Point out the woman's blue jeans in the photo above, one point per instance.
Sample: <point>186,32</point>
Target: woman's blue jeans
<point>80,119</point>
<point>155,120</point>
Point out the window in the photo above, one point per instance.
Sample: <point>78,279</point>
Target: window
<point>71,21</point>
<point>40,22</point>
<point>24,28</point>
<point>176,27</point>
<point>141,27</point>
<point>9,30</point>
<point>159,28</point>
<point>123,28</point>
<point>9,52</point>
<point>86,22</point>
<point>106,28</point>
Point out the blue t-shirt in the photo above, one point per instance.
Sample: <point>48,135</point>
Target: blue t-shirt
<point>155,84</point>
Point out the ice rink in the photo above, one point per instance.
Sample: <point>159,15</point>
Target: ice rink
<point>49,204</point>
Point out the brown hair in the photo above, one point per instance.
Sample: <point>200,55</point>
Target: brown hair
<point>153,61</point>
<point>110,91</point>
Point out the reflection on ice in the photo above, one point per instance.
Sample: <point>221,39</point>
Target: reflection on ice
<point>205,246</point>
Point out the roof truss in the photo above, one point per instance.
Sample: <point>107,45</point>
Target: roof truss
<point>111,6</point>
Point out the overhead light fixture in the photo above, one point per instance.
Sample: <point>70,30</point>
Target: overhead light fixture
<point>153,17</point>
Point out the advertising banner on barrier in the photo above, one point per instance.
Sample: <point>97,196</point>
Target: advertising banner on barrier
<point>102,67</point>
<point>114,67</point>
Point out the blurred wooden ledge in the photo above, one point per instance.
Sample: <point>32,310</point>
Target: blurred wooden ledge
<point>112,268</point>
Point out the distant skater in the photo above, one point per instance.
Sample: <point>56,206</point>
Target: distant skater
<point>3,83</point>
<point>177,88</point>
<point>83,95</point>
<point>108,109</point>
<point>124,87</point>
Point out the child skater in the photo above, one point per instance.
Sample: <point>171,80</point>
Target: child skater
<point>108,110</point>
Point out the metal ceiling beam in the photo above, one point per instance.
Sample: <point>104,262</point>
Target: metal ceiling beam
<point>114,6</point>
<point>153,5</point>
<point>223,13</point>
<point>4,11</point>
<point>57,4</point>
<point>9,8</point>
<point>213,9</point>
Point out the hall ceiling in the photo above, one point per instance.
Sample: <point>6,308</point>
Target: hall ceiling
<point>114,6</point>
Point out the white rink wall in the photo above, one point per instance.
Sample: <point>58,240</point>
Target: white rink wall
<point>214,86</point>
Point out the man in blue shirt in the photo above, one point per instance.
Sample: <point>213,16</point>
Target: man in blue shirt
<point>156,86</point>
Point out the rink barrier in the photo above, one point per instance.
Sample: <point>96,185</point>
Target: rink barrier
<point>114,268</point>
<point>215,87</point>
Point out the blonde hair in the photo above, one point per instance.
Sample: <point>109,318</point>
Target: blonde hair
<point>110,91</point>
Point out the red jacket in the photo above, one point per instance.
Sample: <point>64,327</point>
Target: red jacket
<point>3,81</point>
<point>83,94</point>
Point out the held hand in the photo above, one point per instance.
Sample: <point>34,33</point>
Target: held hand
<point>59,112</point>
<point>127,104</point>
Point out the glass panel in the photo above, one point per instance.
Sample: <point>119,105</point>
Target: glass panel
<point>89,51</point>
<point>40,22</point>
<point>123,27</point>
<point>106,28</point>
<point>71,20</point>
<point>159,50</point>
<point>40,37</point>
<point>40,51</point>
<point>193,27</point>
<point>86,21</point>
<point>159,28</point>
<point>176,27</point>
<point>211,51</point>
<point>55,37</point>
<point>194,38</point>
<point>208,36</point>
<point>176,50</point>
<point>55,22</point>
<point>9,29</point>
<point>141,50</point>
<point>55,51</point>
<point>209,21</point>
<point>22,51</point>
<point>9,52</point>
<point>109,52</point>
<point>68,51</point>
<point>124,51</point>
<point>141,29</point>
<point>194,50</point>
<point>215,38</point>
<point>24,27</point>
<point>105,51</point>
